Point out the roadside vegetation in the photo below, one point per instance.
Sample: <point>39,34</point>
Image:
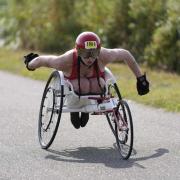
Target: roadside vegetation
<point>149,29</point>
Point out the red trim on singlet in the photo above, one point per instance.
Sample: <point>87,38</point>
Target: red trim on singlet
<point>74,74</point>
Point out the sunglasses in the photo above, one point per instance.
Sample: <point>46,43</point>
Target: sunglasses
<point>87,53</point>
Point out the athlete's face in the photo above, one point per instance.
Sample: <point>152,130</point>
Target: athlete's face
<point>88,60</point>
<point>88,56</point>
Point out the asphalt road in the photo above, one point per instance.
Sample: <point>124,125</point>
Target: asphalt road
<point>87,153</point>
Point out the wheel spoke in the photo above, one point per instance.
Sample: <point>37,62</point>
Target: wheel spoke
<point>125,133</point>
<point>50,112</point>
<point>123,126</point>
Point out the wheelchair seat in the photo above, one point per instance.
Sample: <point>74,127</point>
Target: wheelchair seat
<point>73,100</point>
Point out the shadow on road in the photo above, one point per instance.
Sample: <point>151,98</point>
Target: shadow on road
<point>104,155</point>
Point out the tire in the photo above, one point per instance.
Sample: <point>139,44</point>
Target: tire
<point>124,138</point>
<point>124,134</point>
<point>50,110</point>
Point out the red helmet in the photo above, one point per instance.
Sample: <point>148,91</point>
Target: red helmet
<point>88,44</point>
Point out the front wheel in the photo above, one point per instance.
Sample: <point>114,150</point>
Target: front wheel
<point>124,129</point>
<point>120,122</point>
<point>50,110</point>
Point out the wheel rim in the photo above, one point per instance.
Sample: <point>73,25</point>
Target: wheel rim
<point>124,135</point>
<point>50,113</point>
<point>124,131</point>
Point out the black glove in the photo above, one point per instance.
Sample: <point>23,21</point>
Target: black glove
<point>142,85</point>
<point>28,58</point>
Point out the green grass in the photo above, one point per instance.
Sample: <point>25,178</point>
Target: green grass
<point>164,87</point>
<point>12,61</point>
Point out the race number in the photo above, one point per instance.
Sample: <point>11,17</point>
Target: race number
<point>90,45</point>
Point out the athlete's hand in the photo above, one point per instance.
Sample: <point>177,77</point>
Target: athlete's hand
<point>28,58</point>
<point>142,85</point>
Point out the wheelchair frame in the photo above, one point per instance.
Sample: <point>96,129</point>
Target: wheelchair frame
<point>57,98</point>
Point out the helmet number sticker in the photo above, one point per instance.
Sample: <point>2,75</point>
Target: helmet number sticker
<point>90,45</point>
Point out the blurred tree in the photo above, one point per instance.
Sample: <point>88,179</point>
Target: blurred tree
<point>3,8</point>
<point>24,22</point>
<point>164,50</point>
<point>117,31</point>
<point>146,15</point>
<point>64,25</point>
<point>46,25</point>
<point>95,15</point>
<point>68,18</point>
<point>134,23</point>
<point>53,25</point>
<point>148,28</point>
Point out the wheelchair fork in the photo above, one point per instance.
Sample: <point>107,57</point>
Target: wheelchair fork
<point>120,122</point>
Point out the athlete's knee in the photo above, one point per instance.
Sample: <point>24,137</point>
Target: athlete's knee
<point>84,85</point>
<point>102,82</point>
<point>95,86</point>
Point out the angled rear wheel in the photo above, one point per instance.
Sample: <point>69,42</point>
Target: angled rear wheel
<point>50,110</point>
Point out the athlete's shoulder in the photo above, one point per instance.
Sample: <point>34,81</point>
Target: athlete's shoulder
<point>106,52</point>
<point>105,55</point>
<point>111,55</point>
<point>68,53</point>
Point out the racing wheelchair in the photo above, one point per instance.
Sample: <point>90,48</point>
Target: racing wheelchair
<point>59,98</point>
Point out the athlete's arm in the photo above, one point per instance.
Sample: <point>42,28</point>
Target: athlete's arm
<point>112,55</point>
<point>57,62</point>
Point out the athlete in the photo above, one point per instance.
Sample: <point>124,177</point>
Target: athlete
<point>84,67</point>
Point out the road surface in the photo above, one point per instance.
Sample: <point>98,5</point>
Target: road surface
<point>87,153</point>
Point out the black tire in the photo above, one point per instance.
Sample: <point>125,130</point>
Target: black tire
<point>124,135</point>
<point>50,110</point>
<point>125,143</point>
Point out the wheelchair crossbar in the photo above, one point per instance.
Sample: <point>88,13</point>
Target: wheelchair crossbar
<point>87,108</point>
<point>102,107</point>
<point>99,98</point>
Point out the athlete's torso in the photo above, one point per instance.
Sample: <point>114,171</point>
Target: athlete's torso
<point>84,72</point>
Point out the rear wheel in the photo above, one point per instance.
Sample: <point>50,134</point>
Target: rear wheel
<point>50,110</point>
